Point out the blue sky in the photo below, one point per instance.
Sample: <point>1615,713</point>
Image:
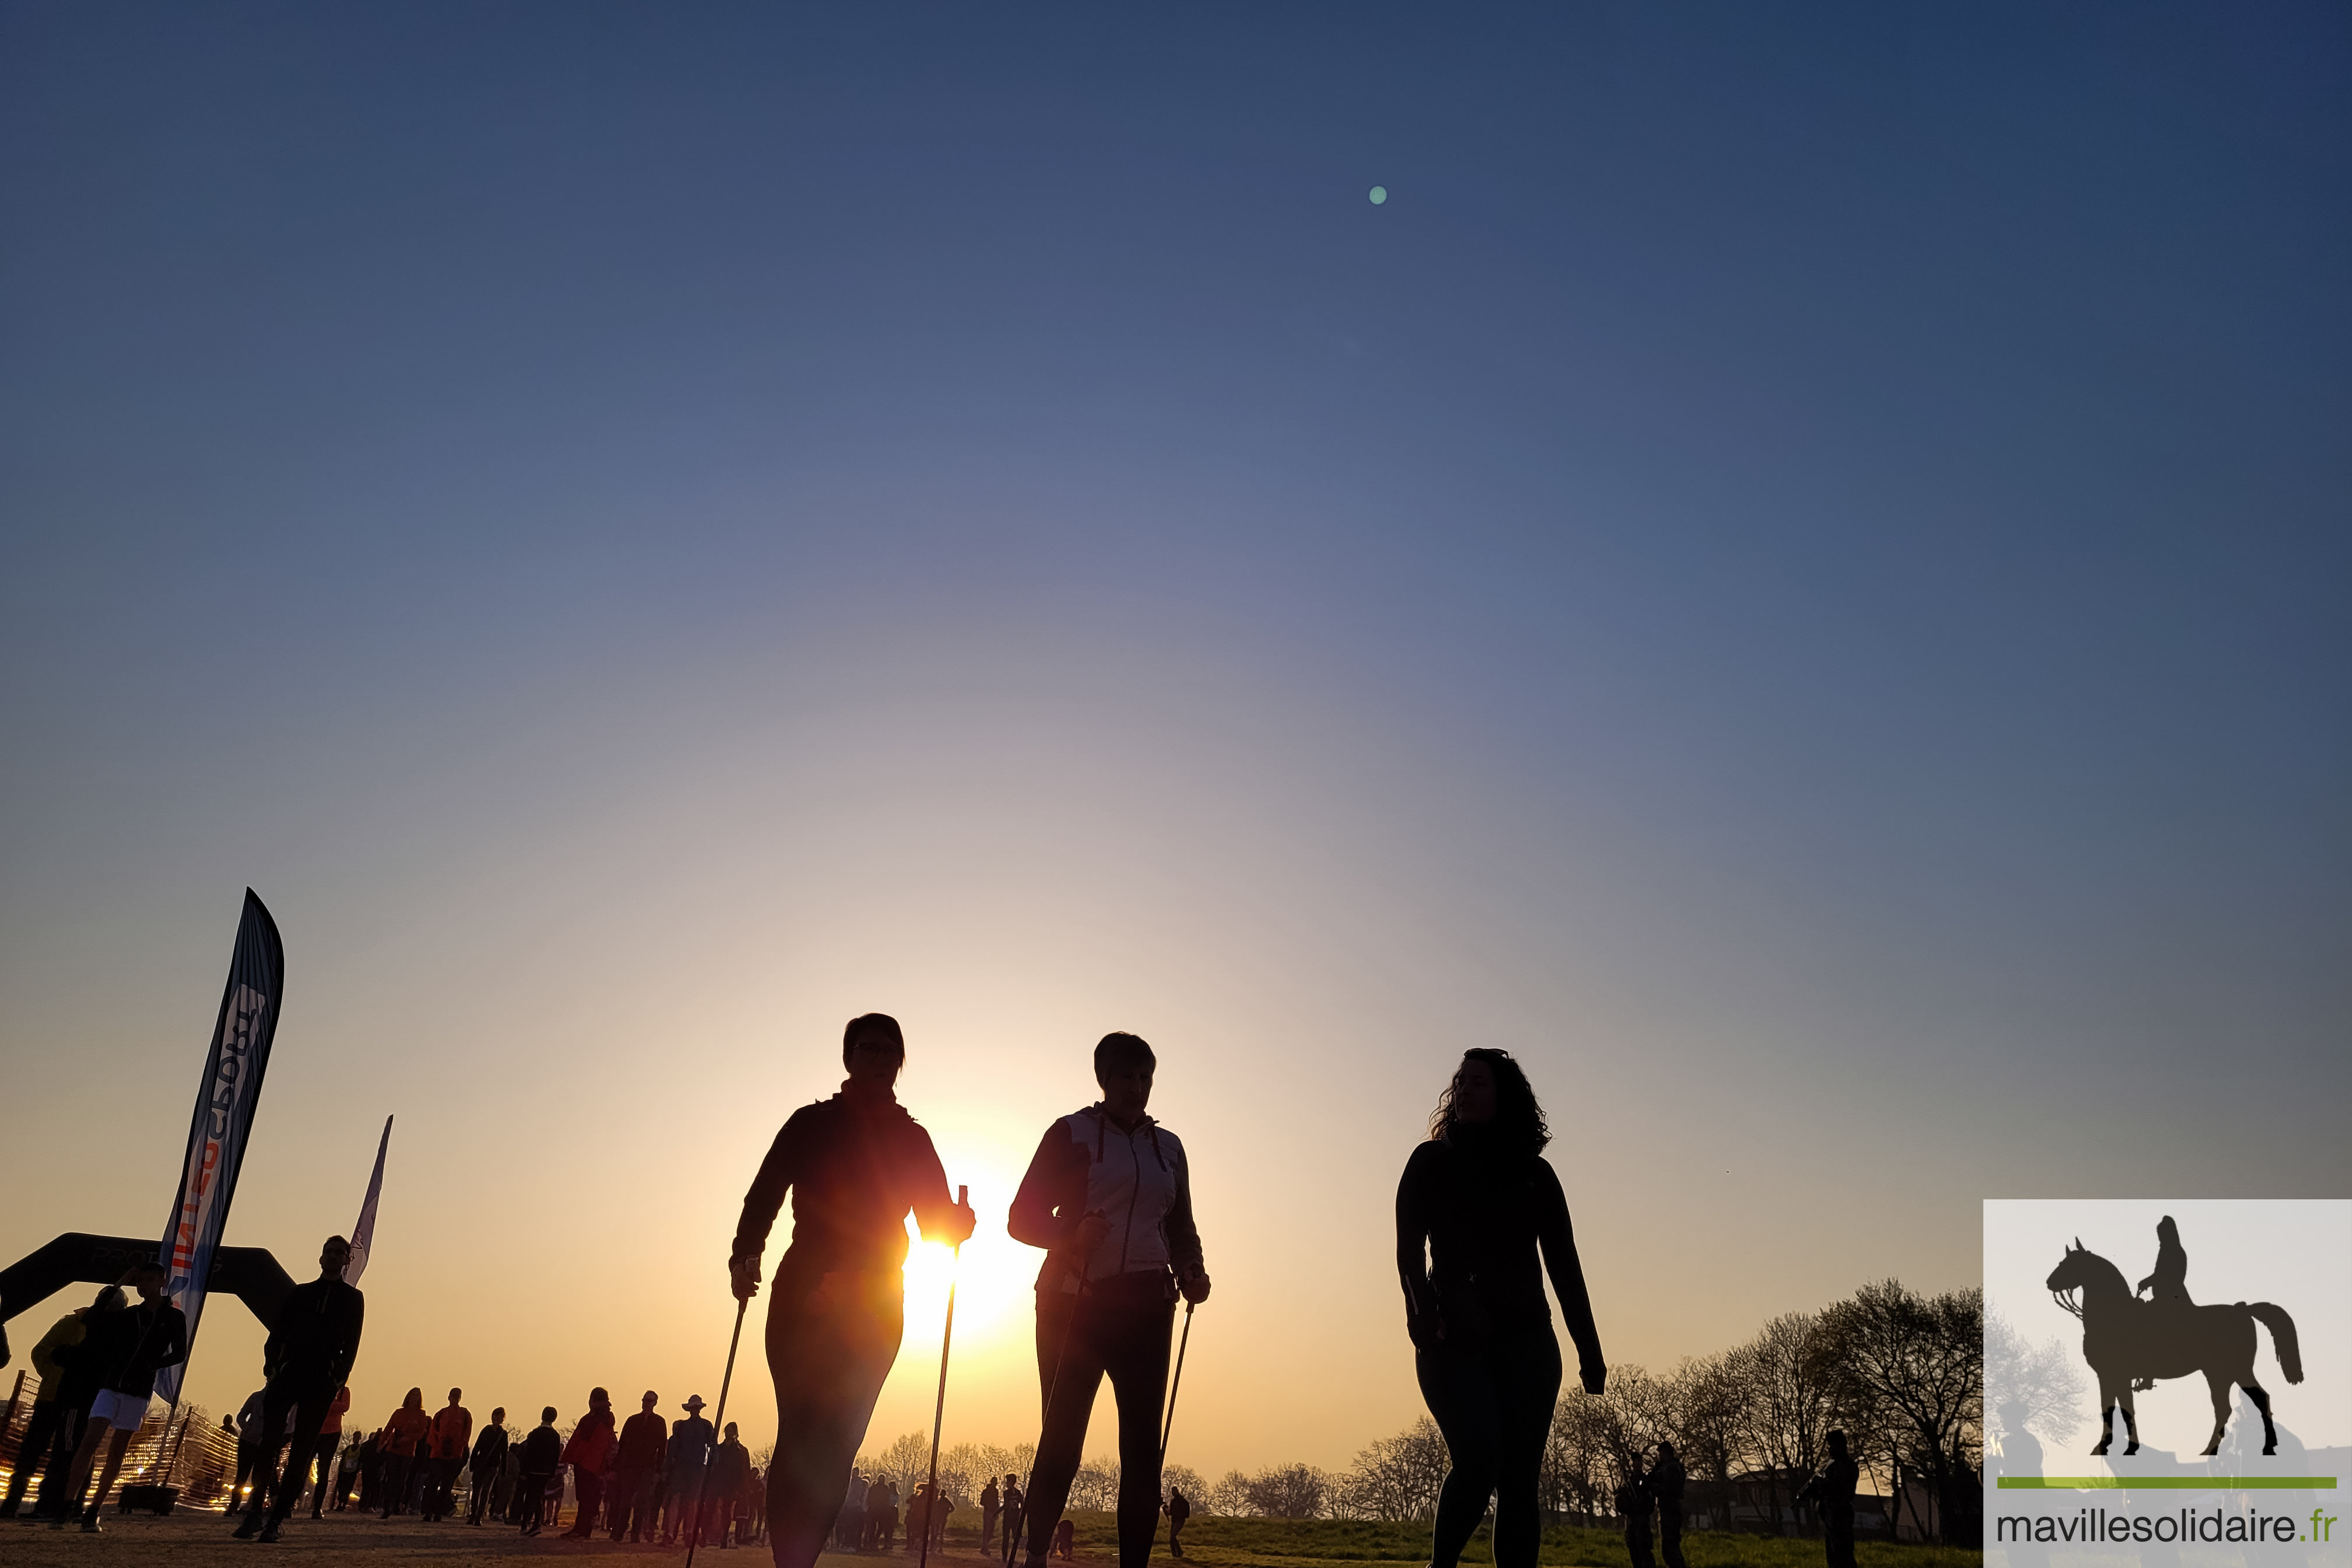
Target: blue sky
<point>1794,573</point>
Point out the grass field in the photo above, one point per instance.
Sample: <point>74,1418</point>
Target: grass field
<point>1285,1543</point>
<point>195,1539</point>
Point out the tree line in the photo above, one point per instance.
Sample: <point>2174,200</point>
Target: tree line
<point>1902,1373</point>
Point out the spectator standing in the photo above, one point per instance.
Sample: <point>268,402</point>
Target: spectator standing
<point>1635,1504</point>
<point>1667,1478</point>
<point>482,1465</point>
<point>60,1407</point>
<point>919,1514</point>
<point>541,1452</point>
<point>135,1345</point>
<point>509,1482</point>
<point>453,1435</point>
<point>1833,1492</point>
<point>590,1453</point>
<point>1180,1509</point>
<point>990,1502</point>
<point>330,1440</point>
<point>636,1469</point>
<point>881,1512</point>
<point>249,1447</point>
<point>730,1471</point>
<point>398,1444</point>
<point>347,1470</point>
<point>313,1339</point>
<point>372,1472</point>
<point>752,1515</point>
<point>849,1527</point>
<point>690,1454</point>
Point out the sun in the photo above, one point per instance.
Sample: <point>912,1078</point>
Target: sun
<point>992,1277</point>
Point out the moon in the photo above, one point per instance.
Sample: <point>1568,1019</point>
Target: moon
<point>1380,194</point>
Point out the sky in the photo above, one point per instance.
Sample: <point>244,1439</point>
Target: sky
<point>1793,575</point>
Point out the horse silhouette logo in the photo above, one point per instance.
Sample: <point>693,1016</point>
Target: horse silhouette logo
<point>2129,1342</point>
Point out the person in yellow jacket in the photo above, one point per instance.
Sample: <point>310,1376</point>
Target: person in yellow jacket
<point>400,1439</point>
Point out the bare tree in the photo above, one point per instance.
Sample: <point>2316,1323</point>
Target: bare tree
<point>1917,1364</point>
<point>2037,1387</point>
<point>1581,1456</point>
<point>1229,1498</point>
<point>1095,1485</point>
<point>1707,1435</point>
<point>1184,1479</point>
<point>1290,1491</point>
<point>1788,1404</point>
<point>904,1463</point>
<point>1397,1478</point>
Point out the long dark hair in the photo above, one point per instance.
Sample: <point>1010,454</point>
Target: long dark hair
<point>1518,1120</point>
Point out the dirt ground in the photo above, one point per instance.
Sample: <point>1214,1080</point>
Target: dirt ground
<point>202,1539</point>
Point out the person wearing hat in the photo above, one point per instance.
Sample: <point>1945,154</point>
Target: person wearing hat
<point>855,1164</point>
<point>690,1441</point>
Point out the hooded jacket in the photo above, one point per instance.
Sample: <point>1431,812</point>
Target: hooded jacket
<point>1137,1179</point>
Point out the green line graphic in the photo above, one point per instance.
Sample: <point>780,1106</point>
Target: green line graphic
<point>2165,1483</point>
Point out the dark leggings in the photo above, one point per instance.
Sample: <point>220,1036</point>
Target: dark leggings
<point>306,1399</point>
<point>1119,1328</point>
<point>53,1427</point>
<point>1494,1404</point>
<point>831,1340</point>
<point>393,1481</point>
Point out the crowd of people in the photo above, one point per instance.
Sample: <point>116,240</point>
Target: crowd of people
<point>647,1480</point>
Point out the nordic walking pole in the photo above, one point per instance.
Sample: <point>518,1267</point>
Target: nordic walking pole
<point>1015,1532</point>
<point>1174,1384</point>
<point>940,1409</point>
<point>694,1530</point>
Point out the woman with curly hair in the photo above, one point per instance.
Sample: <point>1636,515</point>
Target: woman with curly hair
<point>1480,1219</point>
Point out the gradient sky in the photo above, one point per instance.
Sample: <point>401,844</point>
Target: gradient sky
<point>1794,573</point>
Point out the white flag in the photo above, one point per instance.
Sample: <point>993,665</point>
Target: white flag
<point>364,1232</point>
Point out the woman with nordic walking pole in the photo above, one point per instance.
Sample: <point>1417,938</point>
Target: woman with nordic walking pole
<point>1109,1196</point>
<point>1482,1202</point>
<point>855,1164</point>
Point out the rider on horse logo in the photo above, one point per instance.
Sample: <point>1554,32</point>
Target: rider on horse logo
<point>2130,1344</point>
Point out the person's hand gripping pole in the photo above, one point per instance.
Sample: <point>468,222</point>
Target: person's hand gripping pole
<point>940,1409</point>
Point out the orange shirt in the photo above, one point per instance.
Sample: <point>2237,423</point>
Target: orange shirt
<point>406,1428</point>
<point>453,1429</point>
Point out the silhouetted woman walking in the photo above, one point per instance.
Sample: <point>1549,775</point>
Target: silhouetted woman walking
<point>1476,1207</point>
<point>855,1165</point>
